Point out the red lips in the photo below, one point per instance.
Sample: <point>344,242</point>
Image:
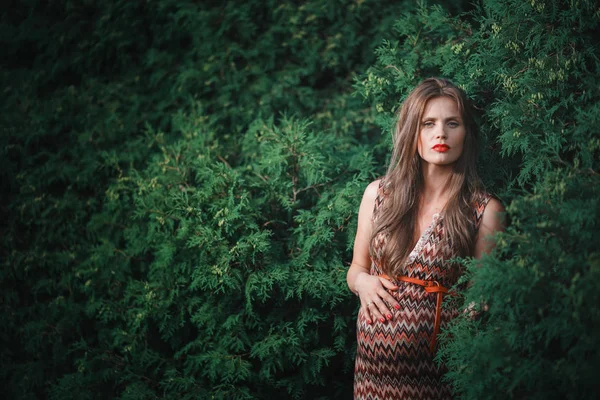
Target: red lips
<point>442,148</point>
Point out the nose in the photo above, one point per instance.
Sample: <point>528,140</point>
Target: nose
<point>440,132</point>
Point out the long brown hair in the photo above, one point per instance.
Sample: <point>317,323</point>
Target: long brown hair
<point>404,180</point>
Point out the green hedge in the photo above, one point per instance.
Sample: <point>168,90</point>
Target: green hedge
<point>180,184</point>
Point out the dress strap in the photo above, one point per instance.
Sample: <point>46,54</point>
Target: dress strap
<point>479,208</point>
<point>381,195</point>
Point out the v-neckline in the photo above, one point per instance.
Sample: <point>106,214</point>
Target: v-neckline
<point>437,217</point>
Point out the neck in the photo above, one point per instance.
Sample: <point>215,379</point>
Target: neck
<point>435,183</point>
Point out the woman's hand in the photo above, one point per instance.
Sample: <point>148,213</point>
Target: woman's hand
<point>474,314</point>
<point>375,301</point>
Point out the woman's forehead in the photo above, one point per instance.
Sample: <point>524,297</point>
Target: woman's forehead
<point>442,106</point>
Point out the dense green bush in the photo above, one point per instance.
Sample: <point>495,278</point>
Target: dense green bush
<point>180,184</point>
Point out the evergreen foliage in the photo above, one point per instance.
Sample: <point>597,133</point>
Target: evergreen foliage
<point>180,183</point>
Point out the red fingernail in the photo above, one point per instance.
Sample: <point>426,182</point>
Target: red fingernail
<point>389,316</point>
<point>369,322</point>
<point>382,319</point>
<point>397,307</point>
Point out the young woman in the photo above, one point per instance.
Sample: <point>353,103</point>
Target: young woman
<point>429,208</point>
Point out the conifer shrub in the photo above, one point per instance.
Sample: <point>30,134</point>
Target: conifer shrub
<point>241,284</point>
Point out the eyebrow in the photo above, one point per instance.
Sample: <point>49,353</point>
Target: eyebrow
<point>446,119</point>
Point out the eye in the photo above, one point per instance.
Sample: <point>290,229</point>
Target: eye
<point>453,124</point>
<point>427,124</point>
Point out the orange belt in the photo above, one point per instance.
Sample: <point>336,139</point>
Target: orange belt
<point>430,287</point>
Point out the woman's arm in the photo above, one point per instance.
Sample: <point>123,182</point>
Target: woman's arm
<point>361,260</point>
<point>492,221</point>
<point>370,289</point>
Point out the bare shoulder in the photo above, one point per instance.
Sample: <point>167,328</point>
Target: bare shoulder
<point>368,203</point>
<point>495,205</point>
<point>372,190</point>
<point>493,217</point>
<point>492,221</point>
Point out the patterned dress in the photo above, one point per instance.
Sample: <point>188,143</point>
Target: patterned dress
<point>394,359</point>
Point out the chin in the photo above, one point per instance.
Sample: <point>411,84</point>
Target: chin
<point>445,162</point>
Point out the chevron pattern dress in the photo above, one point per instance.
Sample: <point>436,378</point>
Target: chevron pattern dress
<point>394,359</point>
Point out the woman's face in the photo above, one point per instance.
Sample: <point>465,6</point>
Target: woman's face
<point>441,132</point>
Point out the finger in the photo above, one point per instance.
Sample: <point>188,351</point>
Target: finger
<point>379,310</point>
<point>388,284</point>
<point>373,311</point>
<point>367,313</point>
<point>390,300</point>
